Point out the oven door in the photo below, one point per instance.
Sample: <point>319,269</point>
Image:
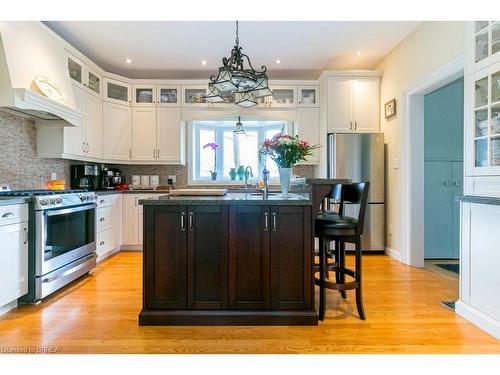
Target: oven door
<point>63,236</point>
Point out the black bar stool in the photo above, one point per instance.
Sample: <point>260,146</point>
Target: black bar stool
<point>335,226</point>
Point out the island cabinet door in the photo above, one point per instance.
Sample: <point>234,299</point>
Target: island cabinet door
<point>249,244</point>
<point>165,248</point>
<point>207,257</point>
<point>291,258</point>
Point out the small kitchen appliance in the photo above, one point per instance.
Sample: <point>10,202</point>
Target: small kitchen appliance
<point>111,177</point>
<point>85,177</point>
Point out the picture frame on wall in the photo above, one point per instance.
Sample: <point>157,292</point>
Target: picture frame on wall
<point>390,108</point>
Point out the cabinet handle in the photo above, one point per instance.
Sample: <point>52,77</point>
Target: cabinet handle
<point>158,153</point>
<point>183,221</point>
<point>355,125</point>
<point>102,219</point>
<point>274,222</point>
<point>129,153</point>
<point>154,154</point>
<point>7,215</point>
<point>447,183</point>
<point>135,201</point>
<point>190,221</point>
<point>101,201</point>
<point>25,236</point>
<point>83,147</point>
<point>350,125</point>
<point>456,183</point>
<point>101,243</point>
<point>266,221</point>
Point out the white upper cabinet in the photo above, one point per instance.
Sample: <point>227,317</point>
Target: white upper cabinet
<point>93,126</point>
<point>144,133</point>
<point>74,137</point>
<point>192,95</point>
<point>116,132</point>
<point>283,96</point>
<point>117,92</point>
<point>353,105</point>
<point>83,76</point>
<point>338,108</point>
<point>308,96</point>
<point>308,129</point>
<point>168,95</point>
<point>75,70</point>
<point>171,136</point>
<point>93,82</point>
<point>144,95</point>
<point>482,43</point>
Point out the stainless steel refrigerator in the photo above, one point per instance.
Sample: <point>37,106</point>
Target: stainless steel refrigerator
<point>361,157</point>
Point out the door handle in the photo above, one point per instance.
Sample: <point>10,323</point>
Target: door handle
<point>183,221</point>
<point>266,221</point>
<point>275,226</point>
<point>191,221</point>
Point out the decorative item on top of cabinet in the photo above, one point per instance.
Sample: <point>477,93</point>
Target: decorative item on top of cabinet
<point>145,95</point>
<point>308,96</point>
<point>117,92</point>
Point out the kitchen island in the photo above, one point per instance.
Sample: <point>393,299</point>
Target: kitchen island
<point>236,259</point>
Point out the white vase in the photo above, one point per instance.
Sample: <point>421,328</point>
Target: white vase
<point>285,174</point>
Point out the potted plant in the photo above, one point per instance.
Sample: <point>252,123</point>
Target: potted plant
<point>214,147</point>
<point>286,151</point>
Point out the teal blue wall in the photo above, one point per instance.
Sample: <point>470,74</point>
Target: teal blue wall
<point>443,170</point>
<point>444,122</point>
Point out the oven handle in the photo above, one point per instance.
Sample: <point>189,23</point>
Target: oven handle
<point>67,272</point>
<point>71,210</point>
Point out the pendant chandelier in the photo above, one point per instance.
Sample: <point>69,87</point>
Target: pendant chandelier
<point>236,84</point>
<point>239,127</point>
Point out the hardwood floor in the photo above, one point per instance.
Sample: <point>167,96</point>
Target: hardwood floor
<point>98,314</point>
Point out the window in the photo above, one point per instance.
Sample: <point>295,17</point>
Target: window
<point>234,149</point>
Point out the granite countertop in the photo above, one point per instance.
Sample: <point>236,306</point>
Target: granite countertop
<point>295,199</point>
<point>5,201</point>
<point>109,192</point>
<point>479,200</point>
<point>327,181</point>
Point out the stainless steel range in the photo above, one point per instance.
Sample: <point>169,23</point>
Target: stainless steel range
<point>64,241</point>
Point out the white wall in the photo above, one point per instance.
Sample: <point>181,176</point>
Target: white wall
<point>429,46</point>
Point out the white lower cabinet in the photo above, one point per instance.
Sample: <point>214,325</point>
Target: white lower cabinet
<point>109,224</point>
<point>13,252</point>
<point>132,219</point>
<point>480,262</point>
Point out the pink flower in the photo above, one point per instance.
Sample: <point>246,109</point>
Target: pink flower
<point>213,146</point>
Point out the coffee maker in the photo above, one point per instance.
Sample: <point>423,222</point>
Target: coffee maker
<point>111,177</point>
<point>85,177</point>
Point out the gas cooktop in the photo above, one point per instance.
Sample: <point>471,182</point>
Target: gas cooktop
<point>34,193</point>
<point>52,199</point>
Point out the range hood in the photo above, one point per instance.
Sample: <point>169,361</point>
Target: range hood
<point>40,54</point>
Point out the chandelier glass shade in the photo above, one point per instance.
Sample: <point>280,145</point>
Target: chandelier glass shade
<point>236,83</point>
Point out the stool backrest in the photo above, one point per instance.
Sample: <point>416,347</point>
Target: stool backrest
<point>356,193</point>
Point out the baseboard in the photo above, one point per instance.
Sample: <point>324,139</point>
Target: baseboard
<point>108,254</point>
<point>131,247</point>
<point>7,307</point>
<point>393,254</point>
<point>478,318</point>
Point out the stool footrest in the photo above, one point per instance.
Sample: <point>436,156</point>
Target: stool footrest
<point>335,286</point>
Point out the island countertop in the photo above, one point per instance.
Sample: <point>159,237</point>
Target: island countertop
<point>231,199</point>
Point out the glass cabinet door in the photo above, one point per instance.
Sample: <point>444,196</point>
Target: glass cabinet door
<point>117,92</point>
<point>94,83</point>
<point>144,95</point>
<point>486,40</point>
<point>168,96</point>
<point>75,69</point>
<point>308,96</point>
<point>193,96</point>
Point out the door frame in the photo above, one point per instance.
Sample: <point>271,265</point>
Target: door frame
<point>412,157</point>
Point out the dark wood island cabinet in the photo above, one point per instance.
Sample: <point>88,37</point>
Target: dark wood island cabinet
<point>233,260</point>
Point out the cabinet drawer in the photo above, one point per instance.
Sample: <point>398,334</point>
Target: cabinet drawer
<point>104,218</point>
<point>105,200</point>
<point>13,214</point>
<point>104,242</point>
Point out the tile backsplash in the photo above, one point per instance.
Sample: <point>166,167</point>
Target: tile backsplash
<point>20,168</point>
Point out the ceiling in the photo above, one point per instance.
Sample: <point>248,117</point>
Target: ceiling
<point>176,49</point>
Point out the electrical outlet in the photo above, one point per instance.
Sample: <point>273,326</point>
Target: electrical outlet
<point>396,163</point>
<point>172,177</point>
<point>389,228</point>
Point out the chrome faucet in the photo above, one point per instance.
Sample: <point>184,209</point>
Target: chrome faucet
<point>265,178</point>
<point>248,175</point>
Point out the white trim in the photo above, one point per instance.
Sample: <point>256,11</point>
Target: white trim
<point>412,188</point>
<point>7,307</point>
<point>393,254</point>
<point>479,319</point>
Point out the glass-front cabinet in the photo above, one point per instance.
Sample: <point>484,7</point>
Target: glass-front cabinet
<point>144,95</point>
<point>308,96</point>
<point>168,95</point>
<point>93,82</point>
<point>283,96</point>
<point>485,37</point>
<point>485,116</point>
<point>82,75</point>
<point>117,92</point>
<point>75,69</point>
<point>193,95</point>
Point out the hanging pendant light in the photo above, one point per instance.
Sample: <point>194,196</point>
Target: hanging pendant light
<point>236,83</point>
<point>239,127</point>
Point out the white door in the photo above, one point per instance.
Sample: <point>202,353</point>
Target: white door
<point>171,136</point>
<point>116,132</point>
<point>308,129</point>
<point>130,220</point>
<point>144,133</point>
<point>338,117</point>
<point>93,128</point>
<point>364,101</point>
<point>14,264</point>
<point>74,136</point>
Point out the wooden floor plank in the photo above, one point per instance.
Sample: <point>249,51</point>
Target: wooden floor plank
<point>98,314</point>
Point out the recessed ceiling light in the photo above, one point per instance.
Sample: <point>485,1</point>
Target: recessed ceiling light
<point>359,53</point>
<point>278,61</point>
<point>128,61</point>
<point>203,62</point>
